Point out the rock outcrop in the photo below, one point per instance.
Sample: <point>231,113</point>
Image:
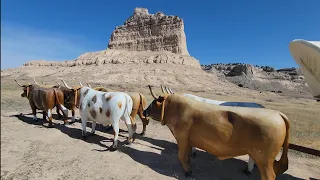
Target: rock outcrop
<point>262,78</point>
<point>150,32</point>
<point>241,69</point>
<point>120,57</point>
<point>144,38</point>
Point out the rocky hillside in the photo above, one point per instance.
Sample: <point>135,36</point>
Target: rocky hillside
<point>261,78</point>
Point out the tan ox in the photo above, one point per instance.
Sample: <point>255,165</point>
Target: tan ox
<point>139,104</point>
<point>224,131</point>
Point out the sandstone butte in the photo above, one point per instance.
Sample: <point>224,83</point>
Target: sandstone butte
<point>143,38</point>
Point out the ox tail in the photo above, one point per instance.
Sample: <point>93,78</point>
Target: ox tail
<point>59,105</point>
<point>282,165</point>
<point>141,106</point>
<point>133,123</point>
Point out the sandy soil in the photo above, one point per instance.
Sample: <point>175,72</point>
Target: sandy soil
<point>29,150</point>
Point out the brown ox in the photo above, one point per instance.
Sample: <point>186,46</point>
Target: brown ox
<point>139,104</point>
<point>44,99</point>
<point>224,131</point>
<point>71,97</point>
<point>54,86</point>
<point>69,100</point>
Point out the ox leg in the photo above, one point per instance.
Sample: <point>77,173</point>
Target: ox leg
<point>145,122</point>
<point>50,118</point>
<point>65,113</point>
<point>83,124</point>
<point>266,170</point>
<point>93,128</point>
<point>250,167</point>
<point>184,156</point>
<point>115,126</point>
<point>73,115</point>
<point>58,112</point>
<point>44,115</point>
<point>127,121</point>
<point>34,113</point>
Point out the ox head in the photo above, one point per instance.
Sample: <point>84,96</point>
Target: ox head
<point>157,107</point>
<point>26,88</point>
<point>72,94</point>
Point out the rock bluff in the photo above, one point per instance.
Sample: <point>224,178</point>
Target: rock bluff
<point>144,38</point>
<point>155,32</point>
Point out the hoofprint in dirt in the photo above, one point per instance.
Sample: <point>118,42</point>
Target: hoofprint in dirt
<point>29,150</point>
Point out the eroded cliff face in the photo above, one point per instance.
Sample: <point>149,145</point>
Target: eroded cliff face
<point>150,32</point>
<point>144,38</point>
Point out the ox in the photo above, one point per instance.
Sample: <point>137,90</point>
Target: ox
<point>251,163</point>
<point>106,108</point>
<point>71,97</point>
<point>224,131</point>
<point>66,95</point>
<point>139,104</point>
<point>44,99</point>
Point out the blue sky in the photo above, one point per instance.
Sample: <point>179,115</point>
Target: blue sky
<point>218,31</point>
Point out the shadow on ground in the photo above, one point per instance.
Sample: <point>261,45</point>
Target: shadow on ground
<point>204,165</point>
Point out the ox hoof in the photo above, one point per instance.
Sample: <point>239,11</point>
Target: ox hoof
<point>92,134</point>
<point>112,148</point>
<point>189,175</point>
<point>247,172</point>
<point>143,133</point>
<point>130,141</point>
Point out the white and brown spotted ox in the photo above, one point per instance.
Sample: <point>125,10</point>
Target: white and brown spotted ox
<point>105,108</point>
<point>224,131</point>
<point>168,90</point>
<point>44,99</point>
<point>139,104</point>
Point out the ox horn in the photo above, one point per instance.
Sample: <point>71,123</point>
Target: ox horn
<point>19,83</point>
<point>80,83</point>
<point>169,89</point>
<point>166,89</point>
<point>34,79</point>
<point>152,92</point>
<point>162,89</point>
<point>88,85</point>
<point>65,84</point>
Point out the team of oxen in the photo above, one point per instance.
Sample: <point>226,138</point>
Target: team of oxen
<point>223,129</point>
